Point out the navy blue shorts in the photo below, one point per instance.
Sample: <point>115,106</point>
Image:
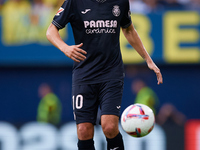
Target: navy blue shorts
<point>87,98</point>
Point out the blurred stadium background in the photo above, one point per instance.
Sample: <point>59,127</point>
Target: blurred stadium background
<point>170,31</point>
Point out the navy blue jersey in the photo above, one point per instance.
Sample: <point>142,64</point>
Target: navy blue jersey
<point>97,26</point>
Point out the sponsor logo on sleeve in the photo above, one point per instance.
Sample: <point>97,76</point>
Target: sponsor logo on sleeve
<point>59,11</point>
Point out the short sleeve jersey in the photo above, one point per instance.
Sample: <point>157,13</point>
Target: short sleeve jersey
<point>97,26</point>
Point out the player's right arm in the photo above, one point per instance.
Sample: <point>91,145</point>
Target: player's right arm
<point>74,52</point>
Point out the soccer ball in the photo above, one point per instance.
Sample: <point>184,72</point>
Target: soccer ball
<point>137,120</point>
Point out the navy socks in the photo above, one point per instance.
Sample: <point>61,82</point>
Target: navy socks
<point>112,144</point>
<point>86,144</point>
<point>116,143</point>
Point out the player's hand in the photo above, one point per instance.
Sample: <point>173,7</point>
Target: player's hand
<point>153,67</point>
<point>75,52</point>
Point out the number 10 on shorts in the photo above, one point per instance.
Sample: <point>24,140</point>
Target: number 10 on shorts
<point>78,104</point>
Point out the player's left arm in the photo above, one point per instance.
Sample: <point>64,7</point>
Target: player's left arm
<point>133,38</point>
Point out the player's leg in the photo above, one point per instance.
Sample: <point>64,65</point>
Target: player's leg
<point>85,132</point>
<point>110,104</point>
<point>85,107</point>
<point>109,125</point>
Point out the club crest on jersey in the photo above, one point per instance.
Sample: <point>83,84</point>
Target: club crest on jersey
<point>116,11</point>
<point>59,11</point>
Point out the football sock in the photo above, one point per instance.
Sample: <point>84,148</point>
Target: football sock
<point>116,143</point>
<point>86,144</point>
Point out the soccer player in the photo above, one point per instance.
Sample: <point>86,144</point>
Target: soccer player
<point>98,68</point>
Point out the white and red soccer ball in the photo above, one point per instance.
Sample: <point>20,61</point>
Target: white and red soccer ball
<point>137,120</point>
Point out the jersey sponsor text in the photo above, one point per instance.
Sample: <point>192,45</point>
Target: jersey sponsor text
<point>100,24</point>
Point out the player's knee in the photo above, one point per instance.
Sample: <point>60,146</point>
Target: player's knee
<point>110,130</point>
<point>85,131</point>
